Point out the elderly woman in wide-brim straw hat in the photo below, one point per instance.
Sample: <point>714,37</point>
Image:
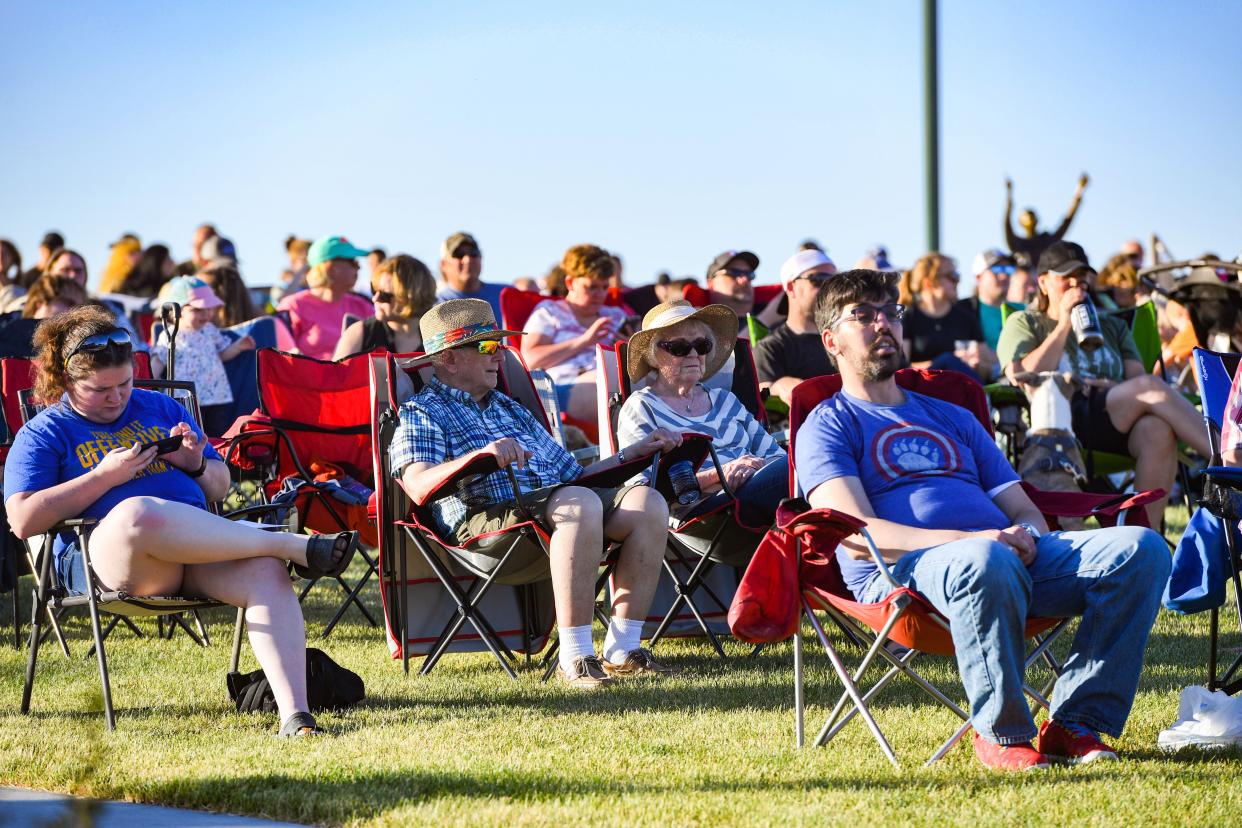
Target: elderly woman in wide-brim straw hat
<point>678,348</point>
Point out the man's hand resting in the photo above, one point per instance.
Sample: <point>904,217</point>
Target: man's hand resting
<point>1016,538</point>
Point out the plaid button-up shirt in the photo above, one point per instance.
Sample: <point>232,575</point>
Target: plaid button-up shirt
<point>440,423</point>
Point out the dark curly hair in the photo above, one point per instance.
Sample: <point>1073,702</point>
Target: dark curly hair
<point>59,335</point>
<point>849,287</point>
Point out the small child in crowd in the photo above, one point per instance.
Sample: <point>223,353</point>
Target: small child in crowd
<point>202,350</point>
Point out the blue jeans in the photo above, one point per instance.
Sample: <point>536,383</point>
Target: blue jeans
<point>1113,578</point>
<point>758,497</point>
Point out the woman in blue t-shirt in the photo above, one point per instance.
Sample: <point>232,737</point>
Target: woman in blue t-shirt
<point>89,455</point>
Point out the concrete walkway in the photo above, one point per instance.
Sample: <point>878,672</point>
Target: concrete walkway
<point>24,807</point>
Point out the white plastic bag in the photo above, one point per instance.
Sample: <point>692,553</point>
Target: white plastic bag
<point>1204,720</point>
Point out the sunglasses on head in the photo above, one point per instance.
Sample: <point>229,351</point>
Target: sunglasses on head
<point>866,314</point>
<point>682,347</point>
<point>95,343</point>
<point>487,347</point>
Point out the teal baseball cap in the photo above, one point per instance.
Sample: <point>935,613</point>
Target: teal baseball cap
<point>333,247</point>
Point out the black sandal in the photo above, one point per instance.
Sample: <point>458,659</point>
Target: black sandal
<point>299,725</point>
<point>321,555</point>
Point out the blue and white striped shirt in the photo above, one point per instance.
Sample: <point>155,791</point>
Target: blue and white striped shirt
<point>441,423</point>
<point>734,430</point>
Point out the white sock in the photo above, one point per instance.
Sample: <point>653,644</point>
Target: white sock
<point>625,635</point>
<point>575,643</point>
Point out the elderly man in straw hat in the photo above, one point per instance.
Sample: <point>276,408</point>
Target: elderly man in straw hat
<point>460,414</point>
<point>678,348</point>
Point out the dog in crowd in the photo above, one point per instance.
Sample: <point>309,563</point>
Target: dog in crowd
<point>1051,459</point>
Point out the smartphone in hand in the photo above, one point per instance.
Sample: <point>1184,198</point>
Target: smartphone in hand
<point>165,445</point>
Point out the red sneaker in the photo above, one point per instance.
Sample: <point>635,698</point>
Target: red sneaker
<point>1072,742</point>
<point>1021,757</point>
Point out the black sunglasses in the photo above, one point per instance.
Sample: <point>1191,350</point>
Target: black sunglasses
<point>463,252</point>
<point>682,347</point>
<point>737,272</point>
<point>95,343</point>
<point>381,297</point>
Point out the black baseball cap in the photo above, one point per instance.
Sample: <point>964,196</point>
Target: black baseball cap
<point>724,258</point>
<point>1062,258</point>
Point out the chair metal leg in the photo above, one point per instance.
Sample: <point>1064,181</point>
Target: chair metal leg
<point>799,692</point>
<point>238,629</point>
<point>102,658</point>
<point>37,605</point>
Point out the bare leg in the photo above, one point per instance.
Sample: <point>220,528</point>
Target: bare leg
<point>576,548</point>
<point>273,620</point>
<point>583,405</point>
<point>1146,395</point>
<point>143,544</point>
<point>641,524</point>
<point>1154,449</point>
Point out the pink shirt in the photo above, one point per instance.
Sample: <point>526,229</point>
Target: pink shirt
<point>316,324</point>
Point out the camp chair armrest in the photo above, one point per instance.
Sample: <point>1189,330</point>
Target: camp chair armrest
<point>1087,504</point>
<point>259,510</point>
<point>792,517</point>
<point>433,484</point>
<point>1226,477</point>
<point>72,523</point>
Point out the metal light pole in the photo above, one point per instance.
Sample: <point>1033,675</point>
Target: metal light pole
<point>931,124</point>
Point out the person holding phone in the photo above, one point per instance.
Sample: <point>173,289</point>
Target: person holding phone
<point>90,453</point>
<point>561,334</point>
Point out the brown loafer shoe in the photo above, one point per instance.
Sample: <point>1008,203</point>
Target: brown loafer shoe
<point>640,662</point>
<point>585,673</point>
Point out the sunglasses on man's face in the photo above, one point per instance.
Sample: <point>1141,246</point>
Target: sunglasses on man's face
<point>486,347</point>
<point>866,314</point>
<point>463,252</point>
<point>737,273</point>
<point>1002,270</point>
<point>96,343</point>
<point>682,347</point>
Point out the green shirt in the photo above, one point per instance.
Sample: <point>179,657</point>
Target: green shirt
<point>1026,330</point>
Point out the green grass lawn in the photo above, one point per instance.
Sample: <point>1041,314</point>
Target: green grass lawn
<point>468,746</point>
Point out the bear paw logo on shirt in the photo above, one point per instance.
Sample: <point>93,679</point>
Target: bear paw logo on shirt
<point>916,456</point>
<point>907,450</point>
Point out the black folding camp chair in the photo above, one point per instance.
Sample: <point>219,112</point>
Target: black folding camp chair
<point>498,582</point>
<point>701,548</point>
<point>51,597</point>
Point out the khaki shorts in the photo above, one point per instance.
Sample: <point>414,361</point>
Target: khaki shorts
<point>502,515</point>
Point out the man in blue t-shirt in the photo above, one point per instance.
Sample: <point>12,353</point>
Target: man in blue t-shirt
<point>952,523</point>
<point>461,262</point>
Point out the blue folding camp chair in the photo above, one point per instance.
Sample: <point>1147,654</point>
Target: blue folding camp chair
<point>1215,372</point>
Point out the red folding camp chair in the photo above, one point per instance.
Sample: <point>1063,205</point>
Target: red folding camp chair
<point>904,618</point>
<point>703,549</point>
<point>431,586</point>
<point>314,424</point>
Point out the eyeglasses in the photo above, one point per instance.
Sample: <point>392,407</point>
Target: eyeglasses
<point>486,347</point>
<point>381,297</point>
<point>95,343</point>
<point>816,278</point>
<point>866,314</point>
<point>736,273</point>
<point>1002,270</point>
<point>682,347</point>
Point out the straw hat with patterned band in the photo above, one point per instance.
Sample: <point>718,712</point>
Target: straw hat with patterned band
<point>720,319</point>
<point>459,322</point>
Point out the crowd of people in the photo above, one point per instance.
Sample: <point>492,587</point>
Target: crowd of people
<point>939,496</point>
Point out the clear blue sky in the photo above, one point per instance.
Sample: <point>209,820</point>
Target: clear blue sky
<point>666,132</point>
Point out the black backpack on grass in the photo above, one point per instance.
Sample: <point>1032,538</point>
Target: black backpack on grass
<point>329,686</point>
